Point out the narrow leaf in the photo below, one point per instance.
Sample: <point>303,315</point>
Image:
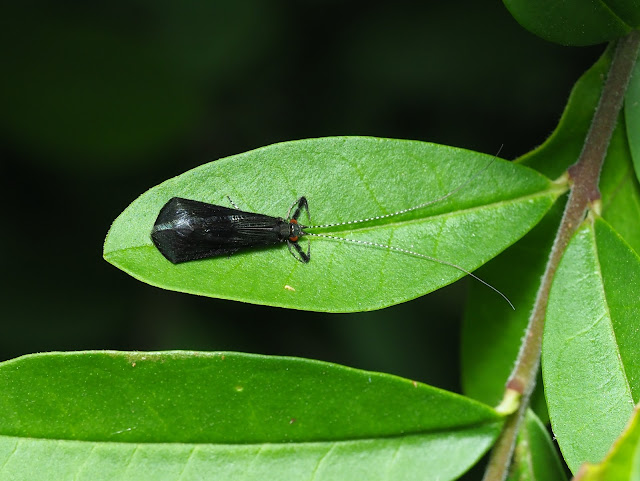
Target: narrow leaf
<point>563,147</point>
<point>620,189</point>
<point>632,117</point>
<point>535,457</point>
<point>344,178</point>
<point>591,353</point>
<point>188,415</point>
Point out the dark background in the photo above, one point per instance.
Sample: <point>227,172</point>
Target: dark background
<point>99,102</point>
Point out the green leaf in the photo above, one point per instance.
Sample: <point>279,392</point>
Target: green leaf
<point>563,147</point>
<point>491,335</point>
<point>491,332</point>
<point>187,415</point>
<point>632,117</point>
<point>576,22</point>
<point>591,353</point>
<point>620,189</point>
<point>344,178</point>
<point>535,457</point>
<point>622,462</point>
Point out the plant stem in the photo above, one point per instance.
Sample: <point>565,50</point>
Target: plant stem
<point>585,174</point>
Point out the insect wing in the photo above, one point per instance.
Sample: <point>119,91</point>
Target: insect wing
<point>187,230</point>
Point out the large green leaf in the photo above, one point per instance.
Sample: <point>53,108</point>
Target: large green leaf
<point>535,457</point>
<point>187,415</point>
<point>591,353</point>
<point>344,178</point>
<point>576,22</point>
<point>623,461</point>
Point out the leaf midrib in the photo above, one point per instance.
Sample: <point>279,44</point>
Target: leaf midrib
<point>448,431</point>
<point>553,190</point>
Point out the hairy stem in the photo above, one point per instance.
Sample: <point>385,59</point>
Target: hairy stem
<point>584,174</point>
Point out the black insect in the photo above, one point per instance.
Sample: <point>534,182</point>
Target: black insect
<point>188,230</point>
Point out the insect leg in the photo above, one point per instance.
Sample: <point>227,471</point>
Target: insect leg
<point>299,254</point>
<point>300,204</point>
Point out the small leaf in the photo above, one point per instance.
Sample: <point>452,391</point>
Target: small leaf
<point>535,457</point>
<point>576,22</point>
<point>632,117</point>
<point>185,415</point>
<point>344,178</point>
<point>590,354</point>
<point>620,189</point>
<point>622,462</point>
<point>563,147</point>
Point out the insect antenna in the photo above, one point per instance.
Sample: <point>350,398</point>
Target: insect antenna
<point>415,207</point>
<point>412,253</point>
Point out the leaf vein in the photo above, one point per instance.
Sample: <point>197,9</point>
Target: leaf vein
<point>186,464</point>
<point>610,326</point>
<point>84,463</point>
<point>15,448</point>
<point>393,459</point>
<point>321,461</point>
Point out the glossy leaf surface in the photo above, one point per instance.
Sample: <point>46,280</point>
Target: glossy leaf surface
<point>343,178</point>
<point>535,457</point>
<point>622,462</point>
<point>576,22</point>
<point>184,415</point>
<point>591,353</point>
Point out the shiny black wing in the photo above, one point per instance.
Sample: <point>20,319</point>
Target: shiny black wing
<point>187,230</point>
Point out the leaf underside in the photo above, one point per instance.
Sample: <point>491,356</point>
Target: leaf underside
<point>590,351</point>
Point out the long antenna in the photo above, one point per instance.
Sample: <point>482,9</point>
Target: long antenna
<point>404,211</point>
<point>413,253</point>
<point>416,207</point>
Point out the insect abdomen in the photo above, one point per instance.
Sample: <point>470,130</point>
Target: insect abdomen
<point>187,230</point>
